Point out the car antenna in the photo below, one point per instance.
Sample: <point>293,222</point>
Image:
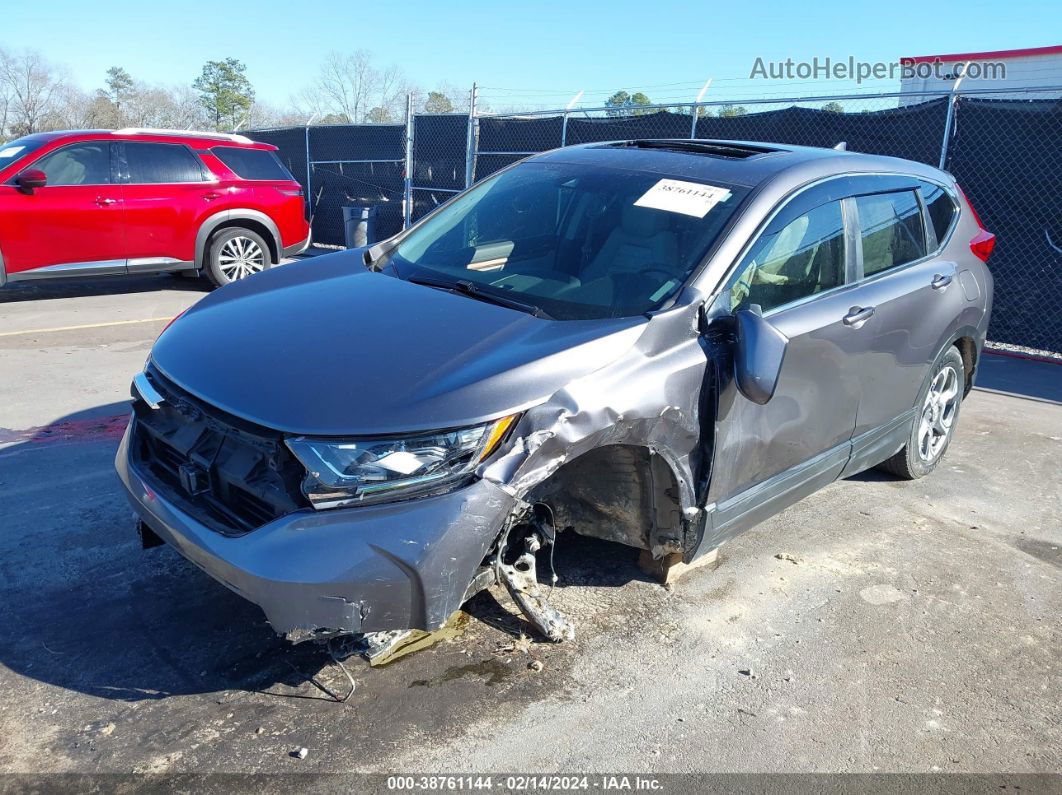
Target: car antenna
<point>841,146</point>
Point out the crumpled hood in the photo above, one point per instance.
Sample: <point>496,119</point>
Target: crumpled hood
<point>325,347</point>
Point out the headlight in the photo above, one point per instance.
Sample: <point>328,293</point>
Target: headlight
<point>360,471</point>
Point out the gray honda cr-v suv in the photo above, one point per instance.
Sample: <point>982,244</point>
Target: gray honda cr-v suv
<point>659,343</point>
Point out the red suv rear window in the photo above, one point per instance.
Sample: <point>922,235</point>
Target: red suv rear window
<point>262,164</point>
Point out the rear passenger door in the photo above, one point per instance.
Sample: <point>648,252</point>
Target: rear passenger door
<point>167,189</point>
<point>910,297</point>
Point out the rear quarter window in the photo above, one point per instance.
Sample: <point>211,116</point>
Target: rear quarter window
<point>259,164</point>
<point>941,207</point>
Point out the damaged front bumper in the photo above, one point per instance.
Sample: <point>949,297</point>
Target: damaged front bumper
<point>405,565</point>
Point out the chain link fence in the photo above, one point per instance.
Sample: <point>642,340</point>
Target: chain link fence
<point>1006,154</point>
<point>440,156</point>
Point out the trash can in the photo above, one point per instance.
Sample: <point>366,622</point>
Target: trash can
<point>359,226</point>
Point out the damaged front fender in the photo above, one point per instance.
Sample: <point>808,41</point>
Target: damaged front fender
<point>640,414</point>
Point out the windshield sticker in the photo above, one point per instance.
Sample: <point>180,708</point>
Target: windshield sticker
<point>11,151</point>
<point>688,198</point>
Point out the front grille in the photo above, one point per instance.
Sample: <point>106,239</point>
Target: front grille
<point>229,474</point>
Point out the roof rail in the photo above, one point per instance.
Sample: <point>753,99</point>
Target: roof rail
<point>239,139</point>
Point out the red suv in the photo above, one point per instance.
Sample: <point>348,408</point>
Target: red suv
<point>143,201</point>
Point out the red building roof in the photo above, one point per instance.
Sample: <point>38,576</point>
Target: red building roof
<point>982,56</point>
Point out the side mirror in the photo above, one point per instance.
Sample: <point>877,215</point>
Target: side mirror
<point>31,179</point>
<point>758,354</point>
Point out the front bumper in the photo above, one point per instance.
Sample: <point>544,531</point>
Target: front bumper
<point>402,565</point>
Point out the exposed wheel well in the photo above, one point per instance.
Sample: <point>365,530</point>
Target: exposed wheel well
<point>621,493</point>
<point>968,350</point>
<point>244,223</point>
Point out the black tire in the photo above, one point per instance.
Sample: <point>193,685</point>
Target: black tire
<point>912,462</point>
<point>221,269</point>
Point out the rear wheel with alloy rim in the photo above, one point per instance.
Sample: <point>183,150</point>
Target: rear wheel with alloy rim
<point>236,254</point>
<point>937,413</point>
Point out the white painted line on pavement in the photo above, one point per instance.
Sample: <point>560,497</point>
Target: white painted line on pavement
<point>84,326</point>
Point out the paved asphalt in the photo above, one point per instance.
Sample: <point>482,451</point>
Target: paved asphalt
<point>917,628</point>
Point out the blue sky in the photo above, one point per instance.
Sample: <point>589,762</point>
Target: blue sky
<point>527,48</point>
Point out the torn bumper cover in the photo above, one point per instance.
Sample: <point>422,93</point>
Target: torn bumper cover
<point>366,569</point>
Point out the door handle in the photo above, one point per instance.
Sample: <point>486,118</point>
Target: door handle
<point>105,202</point>
<point>941,280</point>
<point>857,316</point>
<point>211,196</point>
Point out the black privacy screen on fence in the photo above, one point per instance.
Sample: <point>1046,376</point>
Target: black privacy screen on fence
<point>440,145</point>
<point>1007,157</point>
<point>356,165</point>
<point>914,132</point>
<point>350,165</point>
<point>1006,154</point>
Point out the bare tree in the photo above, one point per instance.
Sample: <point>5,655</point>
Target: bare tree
<point>5,96</point>
<point>390,93</point>
<point>74,109</point>
<point>170,108</point>
<point>346,82</point>
<point>33,86</point>
<point>262,115</point>
<point>351,89</point>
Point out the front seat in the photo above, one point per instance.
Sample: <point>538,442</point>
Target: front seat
<point>642,239</point>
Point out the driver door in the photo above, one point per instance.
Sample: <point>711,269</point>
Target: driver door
<point>767,456</point>
<point>75,221</point>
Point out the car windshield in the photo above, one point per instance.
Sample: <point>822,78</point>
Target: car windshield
<point>20,147</point>
<point>572,241</point>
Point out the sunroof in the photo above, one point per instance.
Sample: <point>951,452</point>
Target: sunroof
<point>731,151</point>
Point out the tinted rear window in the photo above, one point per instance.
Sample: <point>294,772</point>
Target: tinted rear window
<point>941,208</point>
<point>252,163</point>
<point>160,163</point>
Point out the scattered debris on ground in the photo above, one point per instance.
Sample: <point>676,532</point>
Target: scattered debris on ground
<point>519,644</point>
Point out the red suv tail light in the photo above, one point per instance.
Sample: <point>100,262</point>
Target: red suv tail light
<point>984,241</point>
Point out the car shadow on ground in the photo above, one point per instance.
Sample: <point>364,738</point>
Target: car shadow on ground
<point>874,476</point>
<point>87,609</point>
<point>1034,377</point>
<point>104,285</point>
